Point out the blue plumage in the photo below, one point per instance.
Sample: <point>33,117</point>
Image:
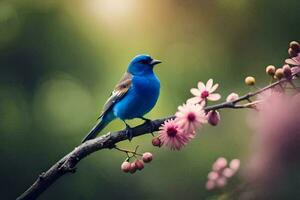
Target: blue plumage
<point>134,96</point>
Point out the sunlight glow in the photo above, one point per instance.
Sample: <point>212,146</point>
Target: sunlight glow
<point>112,12</point>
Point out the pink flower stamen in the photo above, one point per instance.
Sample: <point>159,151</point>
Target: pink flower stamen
<point>172,131</point>
<point>204,94</point>
<point>191,117</point>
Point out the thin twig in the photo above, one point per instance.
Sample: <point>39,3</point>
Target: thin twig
<point>128,151</point>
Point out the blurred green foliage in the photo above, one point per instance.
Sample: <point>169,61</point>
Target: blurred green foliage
<point>60,59</point>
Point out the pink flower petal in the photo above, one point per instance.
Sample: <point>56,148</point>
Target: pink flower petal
<point>193,100</point>
<point>291,61</point>
<point>209,84</point>
<point>201,86</point>
<point>214,97</point>
<point>214,88</point>
<point>195,92</point>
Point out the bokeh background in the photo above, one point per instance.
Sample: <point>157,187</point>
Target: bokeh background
<point>59,60</point>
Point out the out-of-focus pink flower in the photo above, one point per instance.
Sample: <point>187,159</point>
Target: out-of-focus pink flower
<point>232,97</point>
<point>228,172</point>
<point>221,173</point>
<point>190,117</point>
<point>213,175</point>
<point>275,161</point>
<point>213,117</point>
<point>204,92</point>
<point>295,61</point>
<point>235,164</point>
<point>172,135</point>
<point>210,185</point>
<point>221,182</point>
<point>220,164</point>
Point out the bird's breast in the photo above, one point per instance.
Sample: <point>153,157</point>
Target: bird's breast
<point>140,99</point>
<point>148,85</point>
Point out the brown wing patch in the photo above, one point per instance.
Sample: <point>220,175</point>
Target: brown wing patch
<point>120,90</point>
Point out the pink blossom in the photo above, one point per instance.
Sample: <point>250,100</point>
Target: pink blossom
<point>275,161</point>
<point>204,92</point>
<point>172,135</point>
<point>190,117</point>
<point>232,97</point>
<point>221,173</point>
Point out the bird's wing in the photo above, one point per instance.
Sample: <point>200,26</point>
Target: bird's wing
<point>120,90</point>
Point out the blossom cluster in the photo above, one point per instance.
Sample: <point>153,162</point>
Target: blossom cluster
<point>176,133</point>
<point>221,172</point>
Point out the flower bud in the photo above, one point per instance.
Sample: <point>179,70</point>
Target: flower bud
<point>126,166</point>
<point>213,117</point>
<point>292,53</point>
<point>287,72</point>
<point>270,70</point>
<point>133,168</point>
<point>250,80</point>
<point>232,97</point>
<point>295,46</point>
<point>156,142</point>
<point>147,157</point>
<point>279,73</point>
<point>139,164</point>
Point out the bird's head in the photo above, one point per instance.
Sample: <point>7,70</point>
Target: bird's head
<point>142,65</point>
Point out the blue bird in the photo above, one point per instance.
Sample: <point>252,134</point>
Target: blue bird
<point>134,96</point>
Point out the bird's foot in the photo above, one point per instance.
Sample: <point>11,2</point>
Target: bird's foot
<point>129,132</point>
<point>151,123</point>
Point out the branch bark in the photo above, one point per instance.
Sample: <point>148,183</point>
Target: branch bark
<point>68,163</point>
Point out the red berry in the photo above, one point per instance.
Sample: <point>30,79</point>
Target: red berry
<point>156,142</point>
<point>147,157</point>
<point>126,166</point>
<point>139,164</point>
<point>133,168</point>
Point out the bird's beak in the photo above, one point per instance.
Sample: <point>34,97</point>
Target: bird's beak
<point>155,62</point>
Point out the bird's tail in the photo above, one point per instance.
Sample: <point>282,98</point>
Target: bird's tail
<point>101,124</point>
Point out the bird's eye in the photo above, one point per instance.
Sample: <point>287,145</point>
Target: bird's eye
<point>144,61</point>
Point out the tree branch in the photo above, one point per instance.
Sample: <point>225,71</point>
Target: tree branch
<point>68,163</point>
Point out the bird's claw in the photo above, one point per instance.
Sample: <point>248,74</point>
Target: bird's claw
<point>151,123</point>
<point>129,133</point>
